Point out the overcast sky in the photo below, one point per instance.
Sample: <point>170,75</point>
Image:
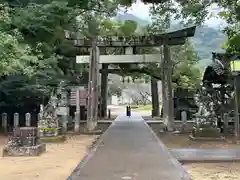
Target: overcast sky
<point>142,11</point>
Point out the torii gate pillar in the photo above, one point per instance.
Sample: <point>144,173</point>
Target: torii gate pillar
<point>104,94</point>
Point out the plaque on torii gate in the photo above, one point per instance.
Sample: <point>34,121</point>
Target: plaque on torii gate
<point>167,39</point>
<point>173,38</point>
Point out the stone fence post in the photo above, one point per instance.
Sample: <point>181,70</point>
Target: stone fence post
<point>184,117</point>
<point>28,119</point>
<point>16,120</point>
<point>225,124</point>
<point>4,122</point>
<point>39,116</point>
<point>64,119</point>
<point>77,122</point>
<point>40,125</point>
<point>184,121</point>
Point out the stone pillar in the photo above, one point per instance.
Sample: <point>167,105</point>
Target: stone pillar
<point>28,119</point>
<point>41,124</point>
<point>39,116</point>
<point>63,112</point>
<point>16,120</point>
<point>77,122</point>
<point>77,113</point>
<point>93,88</point>
<point>184,117</point>
<point>104,88</point>
<point>4,122</point>
<point>183,127</point>
<point>97,87</point>
<point>225,125</point>
<point>64,119</point>
<point>164,110</point>
<point>63,109</point>
<point>168,87</point>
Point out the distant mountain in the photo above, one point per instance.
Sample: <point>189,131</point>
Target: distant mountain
<point>126,16</point>
<point>206,39</point>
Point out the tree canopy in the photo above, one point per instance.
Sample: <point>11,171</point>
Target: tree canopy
<point>35,56</point>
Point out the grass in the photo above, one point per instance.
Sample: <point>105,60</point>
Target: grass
<point>146,108</point>
<point>53,139</point>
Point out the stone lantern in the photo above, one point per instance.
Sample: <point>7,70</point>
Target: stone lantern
<point>235,65</point>
<point>235,71</point>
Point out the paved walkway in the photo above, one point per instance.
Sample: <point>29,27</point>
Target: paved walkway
<point>129,150</point>
<point>206,155</point>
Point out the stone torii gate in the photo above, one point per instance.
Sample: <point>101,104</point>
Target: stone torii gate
<point>105,60</point>
<point>129,44</point>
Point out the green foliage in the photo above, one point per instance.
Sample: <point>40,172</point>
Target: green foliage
<point>14,56</point>
<point>231,14</point>
<point>115,89</point>
<point>29,37</point>
<point>186,74</point>
<point>185,59</point>
<point>35,56</point>
<point>128,28</point>
<point>196,12</point>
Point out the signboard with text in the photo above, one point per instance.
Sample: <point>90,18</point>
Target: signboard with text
<point>82,96</point>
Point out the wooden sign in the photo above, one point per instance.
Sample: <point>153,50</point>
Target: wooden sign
<point>82,96</point>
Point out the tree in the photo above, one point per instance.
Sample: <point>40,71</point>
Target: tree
<point>185,72</point>
<point>15,56</point>
<point>29,65</point>
<point>115,89</point>
<point>196,12</point>
<point>41,54</point>
<point>143,95</point>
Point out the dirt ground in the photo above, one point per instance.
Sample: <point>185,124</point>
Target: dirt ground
<point>55,164</point>
<point>214,171</point>
<point>60,159</point>
<point>205,171</point>
<point>182,141</point>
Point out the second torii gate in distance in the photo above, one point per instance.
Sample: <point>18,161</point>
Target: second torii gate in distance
<point>166,39</point>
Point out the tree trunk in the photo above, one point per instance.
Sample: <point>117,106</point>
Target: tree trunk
<point>155,98</point>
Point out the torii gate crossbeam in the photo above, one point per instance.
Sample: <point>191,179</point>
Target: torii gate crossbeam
<point>111,59</point>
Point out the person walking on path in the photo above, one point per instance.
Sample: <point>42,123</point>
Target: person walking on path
<point>128,111</point>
